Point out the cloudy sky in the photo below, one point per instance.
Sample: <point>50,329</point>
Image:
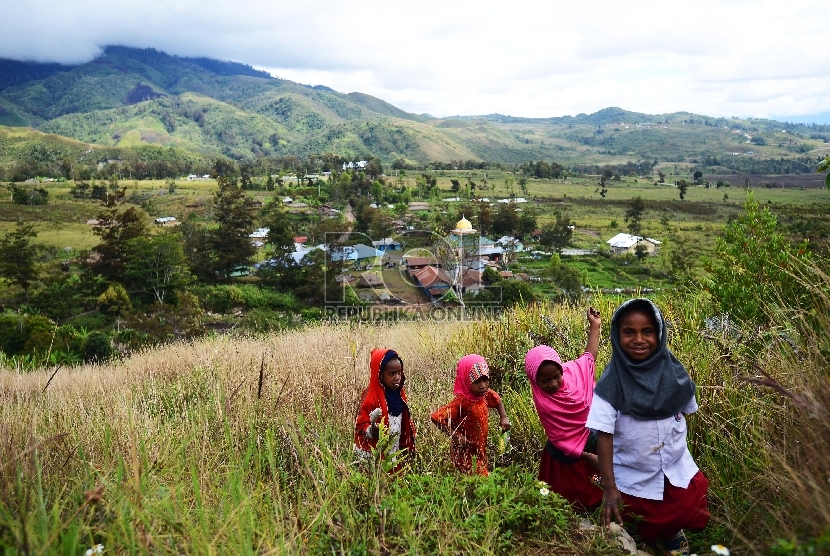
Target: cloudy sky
<point>760,58</point>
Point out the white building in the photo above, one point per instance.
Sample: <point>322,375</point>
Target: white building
<point>626,243</point>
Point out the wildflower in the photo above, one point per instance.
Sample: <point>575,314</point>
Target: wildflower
<point>720,549</point>
<point>97,549</point>
<point>544,491</point>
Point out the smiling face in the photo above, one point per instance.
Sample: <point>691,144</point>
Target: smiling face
<point>638,335</point>
<point>549,377</point>
<point>480,386</point>
<point>392,374</point>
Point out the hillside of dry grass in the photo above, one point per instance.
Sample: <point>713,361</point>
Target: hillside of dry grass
<point>243,444</point>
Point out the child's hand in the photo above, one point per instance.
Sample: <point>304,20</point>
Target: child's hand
<point>611,501</point>
<point>374,415</point>
<point>592,459</point>
<point>505,424</point>
<point>594,318</point>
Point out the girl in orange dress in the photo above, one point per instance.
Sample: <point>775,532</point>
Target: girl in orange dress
<point>465,417</point>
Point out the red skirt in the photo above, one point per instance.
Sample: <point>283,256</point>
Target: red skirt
<point>680,508</point>
<point>571,481</point>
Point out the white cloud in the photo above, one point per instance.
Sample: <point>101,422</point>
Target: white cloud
<point>724,57</point>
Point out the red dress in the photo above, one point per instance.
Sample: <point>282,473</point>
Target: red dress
<point>374,397</point>
<point>469,419</point>
<point>577,482</point>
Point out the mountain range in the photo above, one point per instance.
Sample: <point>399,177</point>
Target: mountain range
<point>130,98</point>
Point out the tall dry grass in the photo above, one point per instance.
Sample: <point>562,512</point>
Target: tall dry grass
<point>243,445</point>
<point>195,454</point>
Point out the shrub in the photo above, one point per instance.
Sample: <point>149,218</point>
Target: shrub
<point>97,347</point>
<point>114,301</point>
<point>219,299</point>
<point>754,264</point>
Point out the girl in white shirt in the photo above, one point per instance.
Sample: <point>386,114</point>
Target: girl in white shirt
<point>638,411</point>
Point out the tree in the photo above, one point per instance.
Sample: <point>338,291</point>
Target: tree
<point>373,168</point>
<point>381,226</point>
<point>682,258</point>
<point>527,222</point>
<point>682,187</point>
<point>697,175</point>
<point>506,220</point>
<point>224,168</point>
<point>157,265</point>
<point>640,251</point>
<point>558,234</point>
<point>516,292</point>
<point>236,215</point>
<point>377,192</point>
<point>18,257</point>
<point>485,218</point>
<point>569,279</point>
<point>634,215</point>
<point>661,177</point>
<point>34,196</point>
<point>115,229</point>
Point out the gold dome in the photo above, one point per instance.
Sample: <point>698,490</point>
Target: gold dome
<point>463,225</point>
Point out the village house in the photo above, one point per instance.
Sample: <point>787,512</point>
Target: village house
<point>623,243</point>
<point>434,281</point>
<point>166,221</point>
<point>418,206</point>
<point>258,237</point>
<point>361,255</point>
<point>417,263</point>
<point>387,244</point>
<point>327,211</point>
<point>471,282</point>
<point>295,208</point>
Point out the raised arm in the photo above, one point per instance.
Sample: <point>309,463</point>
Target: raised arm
<point>594,328</point>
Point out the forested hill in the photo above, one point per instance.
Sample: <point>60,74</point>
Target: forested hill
<point>138,98</point>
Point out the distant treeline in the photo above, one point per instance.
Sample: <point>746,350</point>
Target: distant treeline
<point>750,165</point>
<point>641,168</point>
<point>156,58</point>
<point>141,163</point>
<point>14,73</point>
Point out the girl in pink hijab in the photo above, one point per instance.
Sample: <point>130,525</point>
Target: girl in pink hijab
<point>562,394</point>
<point>465,417</point>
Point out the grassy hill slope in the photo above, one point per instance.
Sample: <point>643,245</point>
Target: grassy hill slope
<point>131,97</point>
<point>230,442</point>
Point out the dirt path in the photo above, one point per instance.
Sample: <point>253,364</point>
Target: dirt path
<point>349,214</point>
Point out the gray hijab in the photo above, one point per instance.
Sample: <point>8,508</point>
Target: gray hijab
<point>655,388</point>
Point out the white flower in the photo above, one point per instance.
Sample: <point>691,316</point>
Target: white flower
<point>97,549</point>
<point>720,549</point>
<point>544,491</point>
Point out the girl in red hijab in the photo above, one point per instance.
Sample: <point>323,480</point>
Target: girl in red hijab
<point>465,417</point>
<point>384,400</point>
